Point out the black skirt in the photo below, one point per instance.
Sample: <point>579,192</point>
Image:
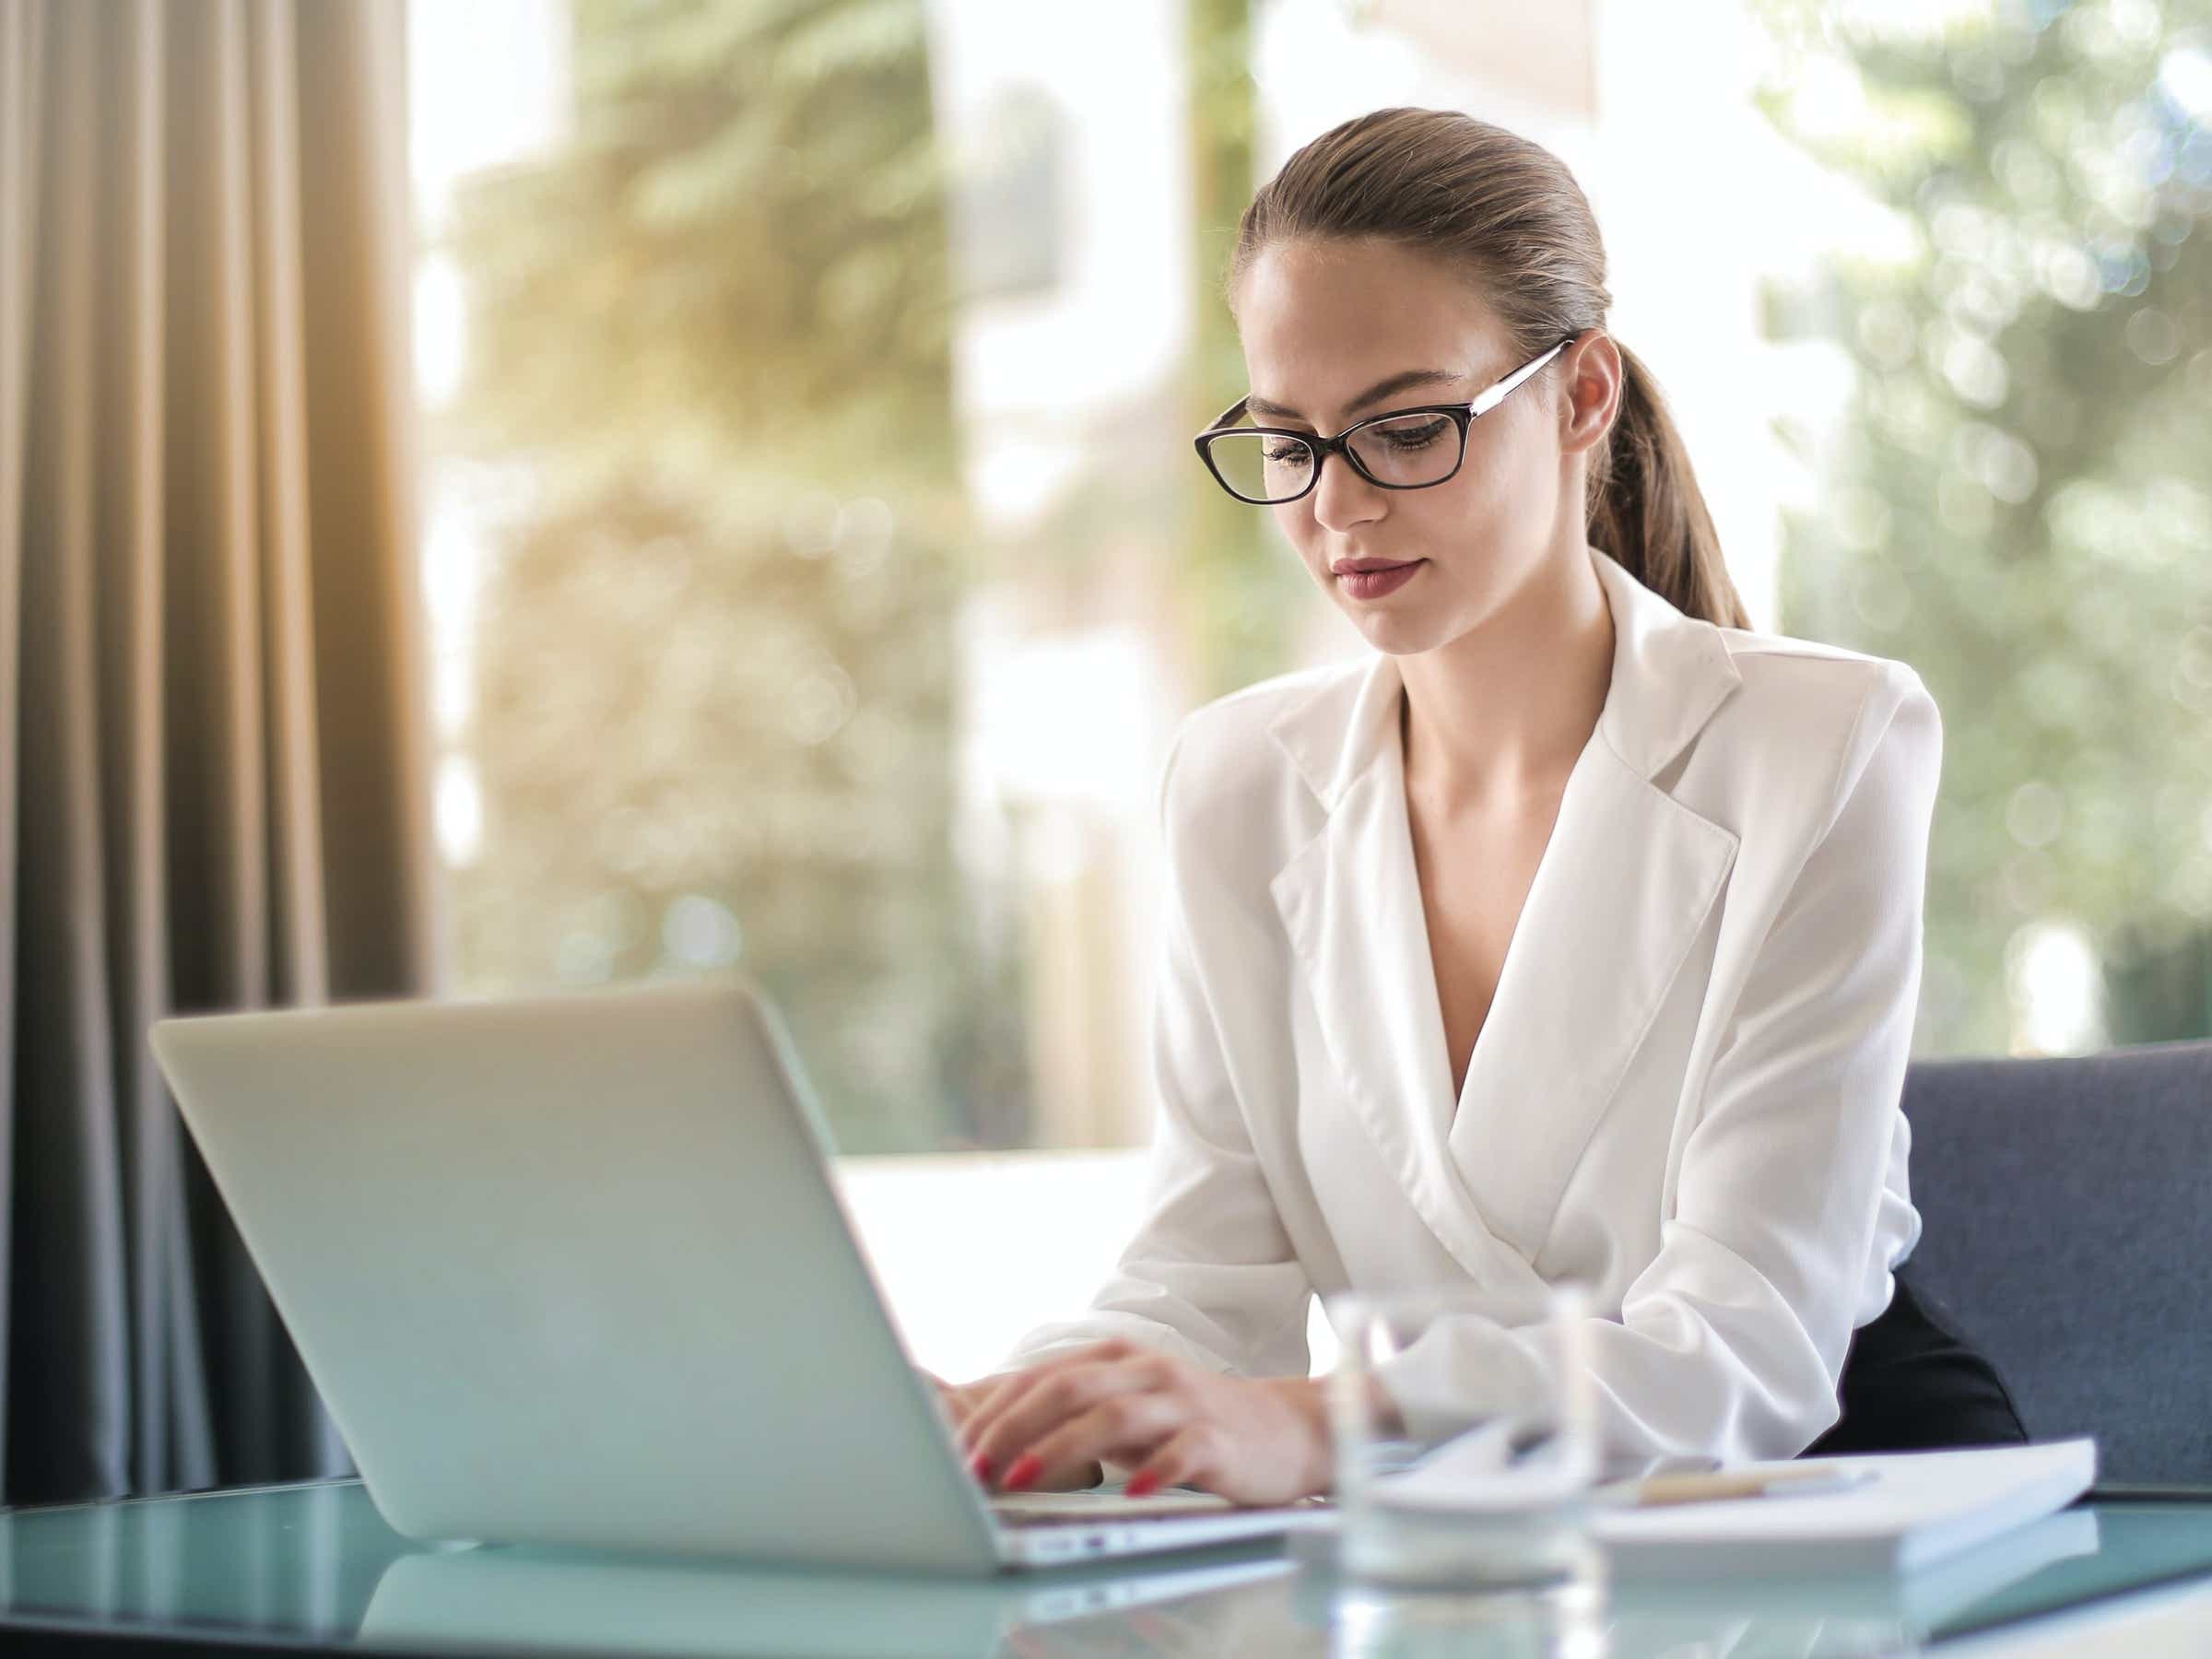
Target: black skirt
<point>1912,1383</point>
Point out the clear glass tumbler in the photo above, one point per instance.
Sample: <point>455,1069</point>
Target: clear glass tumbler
<point>1465,1436</point>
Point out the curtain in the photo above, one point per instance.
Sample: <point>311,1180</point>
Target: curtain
<point>214,751</point>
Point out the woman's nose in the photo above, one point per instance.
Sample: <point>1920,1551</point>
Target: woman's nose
<point>1341,497</point>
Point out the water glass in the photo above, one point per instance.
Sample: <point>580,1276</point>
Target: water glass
<point>1466,1456</point>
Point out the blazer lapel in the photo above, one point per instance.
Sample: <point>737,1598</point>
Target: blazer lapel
<point>1352,909</point>
<point>1624,886</point>
<point>1626,882</point>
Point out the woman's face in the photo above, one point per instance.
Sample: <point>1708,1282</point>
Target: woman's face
<point>1323,325</point>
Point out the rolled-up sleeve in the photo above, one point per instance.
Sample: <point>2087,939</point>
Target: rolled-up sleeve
<point>1210,1274</point>
<point>1732,1341</point>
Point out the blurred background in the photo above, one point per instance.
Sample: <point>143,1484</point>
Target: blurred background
<point>549,493</point>
<point>816,563</point>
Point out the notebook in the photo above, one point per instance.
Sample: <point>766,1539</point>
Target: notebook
<point>1919,1508</point>
<point>1843,1613</point>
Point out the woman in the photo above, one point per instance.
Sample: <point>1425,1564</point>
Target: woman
<point>1574,935</point>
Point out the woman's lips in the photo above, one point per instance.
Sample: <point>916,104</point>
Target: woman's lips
<point>1374,584</point>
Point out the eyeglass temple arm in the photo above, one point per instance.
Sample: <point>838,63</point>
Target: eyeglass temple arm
<point>1228,415</point>
<point>1487,400</point>
<point>1482,404</point>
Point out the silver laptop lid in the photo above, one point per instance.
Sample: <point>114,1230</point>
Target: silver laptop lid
<point>571,1270</point>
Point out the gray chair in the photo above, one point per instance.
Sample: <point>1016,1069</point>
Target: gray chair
<point>2067,1212</point>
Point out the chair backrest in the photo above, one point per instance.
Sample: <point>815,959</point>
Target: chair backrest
<point>2067,1212</point>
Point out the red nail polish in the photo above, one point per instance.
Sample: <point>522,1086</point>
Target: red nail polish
<point>1142,1485</point>
<point>1026,1468</point>
<point>981,1465</point>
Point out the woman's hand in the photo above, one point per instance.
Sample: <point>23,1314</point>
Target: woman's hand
<point>960,1399</point>
<point>1174,1423</point>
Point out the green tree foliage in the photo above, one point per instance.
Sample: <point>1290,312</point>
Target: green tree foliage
<point>714,719</point>
<point>2017,505</point>
<point>1242,587</point>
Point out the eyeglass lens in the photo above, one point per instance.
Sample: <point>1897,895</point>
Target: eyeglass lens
<point>1406,449</point>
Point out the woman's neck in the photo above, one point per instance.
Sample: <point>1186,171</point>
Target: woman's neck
<point>1499,717</point>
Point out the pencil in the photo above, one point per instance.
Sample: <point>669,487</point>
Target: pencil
<point>1787,1483</point>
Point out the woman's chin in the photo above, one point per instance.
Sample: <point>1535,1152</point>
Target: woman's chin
<point>1398,635</point>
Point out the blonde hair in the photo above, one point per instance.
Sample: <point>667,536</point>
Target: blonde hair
<point>1508,213</point>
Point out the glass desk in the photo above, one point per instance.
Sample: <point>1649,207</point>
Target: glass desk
<point>313,1566</point>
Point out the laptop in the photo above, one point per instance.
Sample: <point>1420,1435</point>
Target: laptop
<point>572,1270</point>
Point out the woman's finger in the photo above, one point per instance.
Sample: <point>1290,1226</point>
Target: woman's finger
<point>1043,1400</point>
<point>991,1395</point>
<point>993,1403</point>
<point>1124,1427</point>
<point>1005,1428</point>
<point>1191,1456</point>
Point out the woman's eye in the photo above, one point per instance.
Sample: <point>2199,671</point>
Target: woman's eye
<point>1292,454</point>
<point>1414,438</point>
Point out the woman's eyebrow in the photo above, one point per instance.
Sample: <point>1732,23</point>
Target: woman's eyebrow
<point>1374,393</point>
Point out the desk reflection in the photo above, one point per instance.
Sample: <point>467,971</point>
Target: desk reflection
<point>315,1562</point>
<point>1245,1601</point>
<point>545,1602</point>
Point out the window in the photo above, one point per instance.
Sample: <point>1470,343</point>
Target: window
<point>819,564</point>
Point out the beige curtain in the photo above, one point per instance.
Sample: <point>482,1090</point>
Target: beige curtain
<point>213,759</point>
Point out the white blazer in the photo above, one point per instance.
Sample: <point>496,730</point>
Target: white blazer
<point>1686,1091</point>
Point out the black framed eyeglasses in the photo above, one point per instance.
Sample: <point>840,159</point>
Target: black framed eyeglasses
<point>1405,449</point>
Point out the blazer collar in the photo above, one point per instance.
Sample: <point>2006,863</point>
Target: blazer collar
<point>1671,672</point>
<point>1625,885</point>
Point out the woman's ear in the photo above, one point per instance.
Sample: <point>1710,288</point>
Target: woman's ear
<point>1592,372</point>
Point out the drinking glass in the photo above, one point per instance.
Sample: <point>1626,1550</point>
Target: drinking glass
<point>1465,1436</point>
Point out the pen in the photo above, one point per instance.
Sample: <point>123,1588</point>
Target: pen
<point>1700,1488</point>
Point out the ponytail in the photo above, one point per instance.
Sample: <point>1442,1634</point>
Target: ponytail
<point>1645,509</point>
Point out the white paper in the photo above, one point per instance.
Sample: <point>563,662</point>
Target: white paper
<point>1919,1507</point>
